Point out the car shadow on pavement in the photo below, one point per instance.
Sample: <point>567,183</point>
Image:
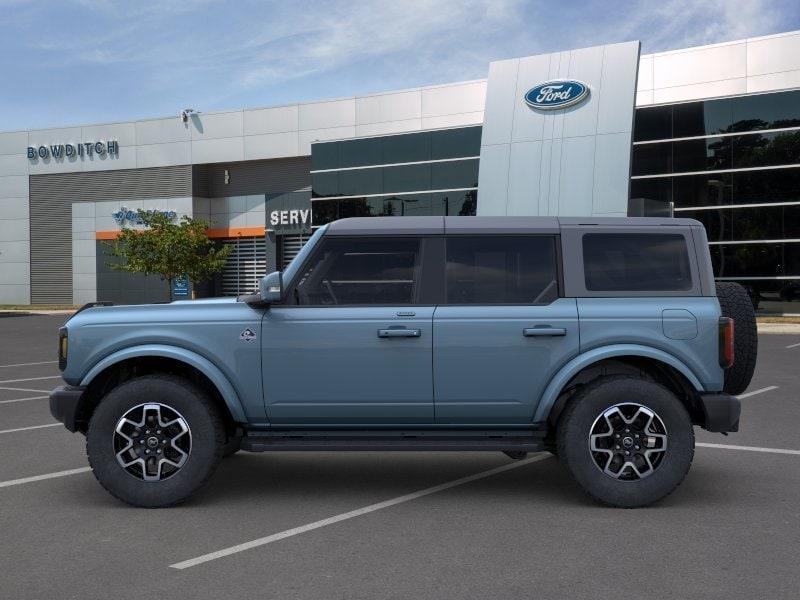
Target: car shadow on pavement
<point>303,476</point>
<point>364,478</point>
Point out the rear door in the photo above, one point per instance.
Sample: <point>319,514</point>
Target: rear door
<point>503,330</point>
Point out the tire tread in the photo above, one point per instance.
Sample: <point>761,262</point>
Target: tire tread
<point>218,424</point>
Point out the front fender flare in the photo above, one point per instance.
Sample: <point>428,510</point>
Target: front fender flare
<point>581,361</point>
<point>193,359</point>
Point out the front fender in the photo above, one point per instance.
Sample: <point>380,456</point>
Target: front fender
<point>581,361</point>
<point>193,359</point>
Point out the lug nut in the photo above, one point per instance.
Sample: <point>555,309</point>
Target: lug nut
<point>637,447</point>
<point>616,435</point>
<point>627,453</point>
<point>617,447</point>
<point>627,430</point>
<point>148,452</point>
<point>158,431</point>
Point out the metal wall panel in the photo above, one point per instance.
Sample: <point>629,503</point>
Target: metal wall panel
<point>253,177</point>
<point>545,162</point>
<point>51,198</point>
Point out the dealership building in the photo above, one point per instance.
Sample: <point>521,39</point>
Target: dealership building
<point>711,133</point>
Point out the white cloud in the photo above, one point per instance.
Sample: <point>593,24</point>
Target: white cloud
<point>423,31</point>
<point>676,24</point>
<point>158,54</point>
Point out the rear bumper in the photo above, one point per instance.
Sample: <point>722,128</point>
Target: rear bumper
<point>721,412</point>
<point>64,401</point>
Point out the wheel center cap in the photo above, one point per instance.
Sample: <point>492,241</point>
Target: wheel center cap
<point>627,441</point>
<point>152,442</point>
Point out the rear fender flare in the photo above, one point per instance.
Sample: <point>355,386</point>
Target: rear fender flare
<point>568,371</point>
<point>205,366</point>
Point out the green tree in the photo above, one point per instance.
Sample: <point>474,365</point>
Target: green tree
<point>168,249</point>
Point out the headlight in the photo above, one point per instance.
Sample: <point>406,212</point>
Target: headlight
<point>62,348</point>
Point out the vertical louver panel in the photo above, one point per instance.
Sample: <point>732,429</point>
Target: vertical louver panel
<point>290,247</point>
<point>246,265</point>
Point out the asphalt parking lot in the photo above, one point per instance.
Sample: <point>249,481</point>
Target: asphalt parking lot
<point>434,525</point>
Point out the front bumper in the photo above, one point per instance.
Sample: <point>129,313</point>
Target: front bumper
<point>721,412</point>
<point>64,402</point>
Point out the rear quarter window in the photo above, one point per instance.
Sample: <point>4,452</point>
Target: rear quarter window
<point>636,262</point>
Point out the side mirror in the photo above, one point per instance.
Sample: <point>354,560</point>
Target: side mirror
<point>270,287</point>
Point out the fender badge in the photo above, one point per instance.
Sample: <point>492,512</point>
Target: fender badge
<point>247,335</point>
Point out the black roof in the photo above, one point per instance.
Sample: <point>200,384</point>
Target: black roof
<point>440,225</point>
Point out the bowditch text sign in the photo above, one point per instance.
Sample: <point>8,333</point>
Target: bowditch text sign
<point>70,150</point>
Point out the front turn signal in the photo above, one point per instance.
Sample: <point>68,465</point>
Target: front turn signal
<point>63,346</point>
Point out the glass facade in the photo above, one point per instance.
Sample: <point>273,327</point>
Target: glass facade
<point>734,165</point>
<point>425,173</point>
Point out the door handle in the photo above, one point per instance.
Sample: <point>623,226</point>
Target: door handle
<point>398,333</point>
<point>543,331</point>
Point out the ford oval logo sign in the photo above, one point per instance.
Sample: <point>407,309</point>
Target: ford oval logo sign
<point>556,94</point>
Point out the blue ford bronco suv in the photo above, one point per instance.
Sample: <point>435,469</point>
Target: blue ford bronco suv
<point>601,340</point>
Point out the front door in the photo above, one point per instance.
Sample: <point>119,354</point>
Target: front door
<point>351,345</point>
<point>503,331</point>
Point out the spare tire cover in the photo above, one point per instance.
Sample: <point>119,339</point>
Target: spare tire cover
<point>736,304</point>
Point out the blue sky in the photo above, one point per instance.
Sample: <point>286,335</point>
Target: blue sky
<point>70,62</point>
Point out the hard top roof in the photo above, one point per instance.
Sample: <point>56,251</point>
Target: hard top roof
<point>477,225</point>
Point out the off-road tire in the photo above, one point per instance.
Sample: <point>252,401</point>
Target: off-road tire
<point>736,304</point>
<point>207,440</point>
<point>573,440</point>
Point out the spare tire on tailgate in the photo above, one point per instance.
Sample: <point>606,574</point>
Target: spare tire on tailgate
<point>736,304</point>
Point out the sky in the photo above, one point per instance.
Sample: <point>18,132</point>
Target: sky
<point>71,62</point>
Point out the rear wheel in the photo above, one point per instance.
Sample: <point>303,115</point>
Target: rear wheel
<point>154,440</point>
<point>736,304</point>
<point>628,442</point>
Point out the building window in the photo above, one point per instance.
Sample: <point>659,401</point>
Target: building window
<point>739,175</point>
<point>451,203</point>
<point>424,173</point>
<point>755,112</point>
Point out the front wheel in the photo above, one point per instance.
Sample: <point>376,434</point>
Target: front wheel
<point>628,442</point>
<point>154,440</point>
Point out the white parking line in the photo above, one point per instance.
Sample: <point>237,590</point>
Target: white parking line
<point>749,448</point>
<point>30,379</point>
<point>43,477</point>
<point>794,345</point>
<point>29,428</point>
<point>193,562</point>
<point>46,362</point>
<point>16,389</point>
<point>23,399</point>
<point>754,392</point>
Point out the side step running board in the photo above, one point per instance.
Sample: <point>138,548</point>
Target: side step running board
<point>290,441</point>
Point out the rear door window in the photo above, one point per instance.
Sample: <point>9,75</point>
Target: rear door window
<point>636,262</point>
<point>501,270</point>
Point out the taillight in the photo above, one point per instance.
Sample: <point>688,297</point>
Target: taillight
<point>63,347</point>
<point>726,342</point>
